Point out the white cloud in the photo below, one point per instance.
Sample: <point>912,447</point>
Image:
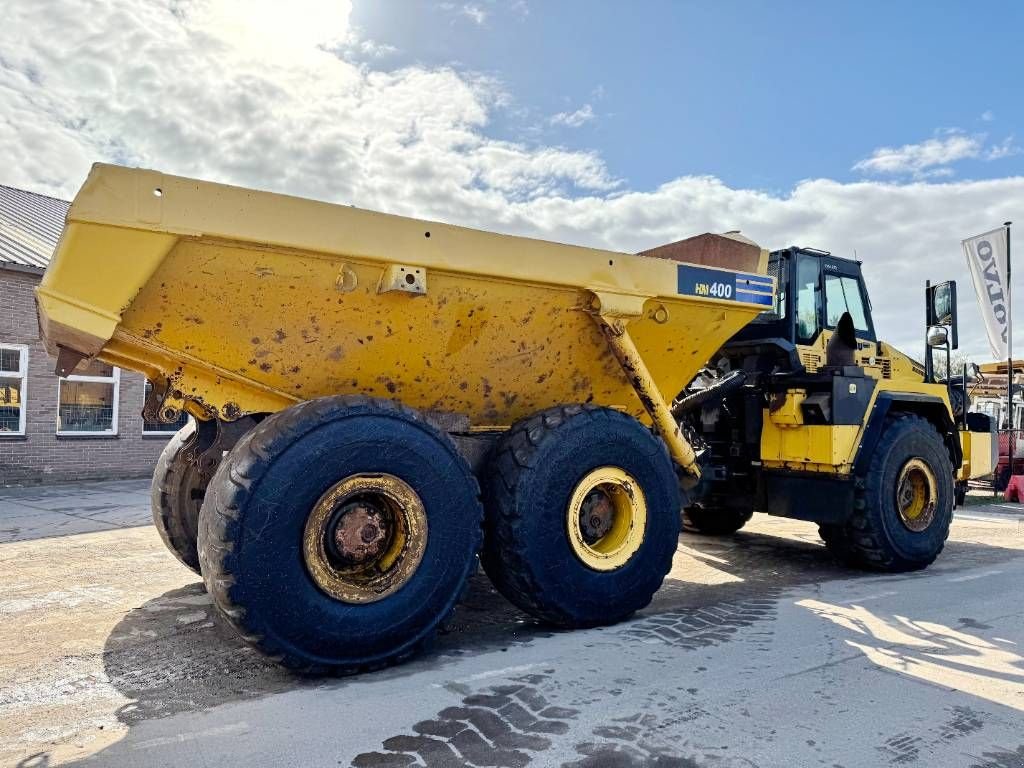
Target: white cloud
<point>356,46</point>
<point>474,12</point>
<point>187,89</point>
<point>919,159</point>
<point>471,11</point>
<point>1006,148</point>
<point>988,116</point>
<point>933,157</point>
<point>574,119</point>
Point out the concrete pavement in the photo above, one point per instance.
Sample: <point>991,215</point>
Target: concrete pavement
<point>758,651</point>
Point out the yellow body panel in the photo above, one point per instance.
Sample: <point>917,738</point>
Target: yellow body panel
<point>980,455</point>
<point>788,443</point>
<point>244,301</point>
<point>809,447</point>
<point>787,413</point>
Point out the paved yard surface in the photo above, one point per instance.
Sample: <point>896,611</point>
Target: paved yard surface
<point>758,651</point>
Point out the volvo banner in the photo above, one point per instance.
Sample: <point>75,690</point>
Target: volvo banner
<point>988,257</point>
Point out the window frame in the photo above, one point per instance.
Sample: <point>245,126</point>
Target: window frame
<point>867,334</point>
<point>817,296</point>
<point>159,432</point>
<point>22,375</point>
<point>846,296</point>
<point>115,380</point>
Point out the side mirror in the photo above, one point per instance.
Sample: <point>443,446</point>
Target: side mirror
<point>940,310</point>
<point>938,336</point>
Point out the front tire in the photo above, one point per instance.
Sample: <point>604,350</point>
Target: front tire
<point>582,515</point>
<point>904,505</point>
<point>339,534</point>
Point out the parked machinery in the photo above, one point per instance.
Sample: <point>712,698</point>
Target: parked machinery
<point>377,398</point>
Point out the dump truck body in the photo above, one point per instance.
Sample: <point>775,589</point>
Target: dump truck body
<point>234,302</point>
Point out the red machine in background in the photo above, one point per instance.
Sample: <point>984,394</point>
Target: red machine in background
<point>988,396</point>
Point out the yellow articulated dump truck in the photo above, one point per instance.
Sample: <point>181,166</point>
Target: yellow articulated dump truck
<point>378,401</point>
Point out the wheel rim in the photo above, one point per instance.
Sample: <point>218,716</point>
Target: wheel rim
<point>365,538</point>
<point>916,495</point>
<point>606,518</point>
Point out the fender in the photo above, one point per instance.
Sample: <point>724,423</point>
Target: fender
<point>929,406</point>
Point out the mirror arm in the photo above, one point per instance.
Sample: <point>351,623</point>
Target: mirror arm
<point>928,378</point>
<point>967,401</point>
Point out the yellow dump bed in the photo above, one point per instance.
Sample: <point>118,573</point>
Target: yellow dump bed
<point>234,301</point>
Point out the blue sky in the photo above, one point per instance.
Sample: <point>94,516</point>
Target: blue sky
<point>885,131</point>
<point>758,94</point>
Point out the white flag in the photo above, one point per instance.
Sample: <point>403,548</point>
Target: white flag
<point>987,257</point>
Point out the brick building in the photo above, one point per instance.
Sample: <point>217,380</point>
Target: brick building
<point>86,426</point>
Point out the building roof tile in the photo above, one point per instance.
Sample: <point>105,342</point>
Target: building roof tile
<point>30,225</point>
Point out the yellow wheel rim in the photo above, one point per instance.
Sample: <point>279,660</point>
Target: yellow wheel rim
<point>606,518</point>
<point>916,495</point>
<point>365,538</point>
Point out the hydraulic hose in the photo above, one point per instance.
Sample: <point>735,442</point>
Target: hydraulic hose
<point>724,386</point>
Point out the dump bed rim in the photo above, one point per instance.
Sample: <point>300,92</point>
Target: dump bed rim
<point>148,200</point>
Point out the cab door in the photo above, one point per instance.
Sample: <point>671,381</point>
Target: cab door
<point>823,290</point>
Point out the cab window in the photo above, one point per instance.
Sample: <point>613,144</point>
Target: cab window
<point>808,298</point>
<point>842,294</point>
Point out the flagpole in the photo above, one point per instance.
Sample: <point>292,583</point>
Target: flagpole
<point>1009,353</point>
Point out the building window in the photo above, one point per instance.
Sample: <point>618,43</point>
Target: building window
<point>87,401</point>
<point>13,380</point>
<point>156,427</point>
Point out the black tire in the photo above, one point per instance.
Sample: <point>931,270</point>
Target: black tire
<point>960,494</point>
<point>1003,478</point>
<point>528,483</point>
<point>715,521</point>
<point>835,538</point>
<point>252,523</point>
<point>875,537</point>
<point>176,496</point>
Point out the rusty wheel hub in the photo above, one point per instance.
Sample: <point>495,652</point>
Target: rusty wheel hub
<point>365,537</point>
<point>361,532</point>
<point>596,515</point>
<point>916,495</point>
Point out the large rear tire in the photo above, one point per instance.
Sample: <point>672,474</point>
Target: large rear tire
<point>582,515</point>
<point>904,504</point>
<point>339,533</point>
<point>176,496</point>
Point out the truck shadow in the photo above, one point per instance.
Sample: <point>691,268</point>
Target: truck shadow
<point>173,653</point>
